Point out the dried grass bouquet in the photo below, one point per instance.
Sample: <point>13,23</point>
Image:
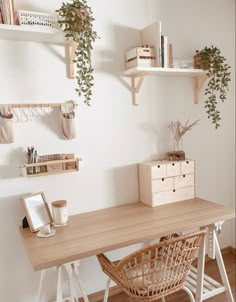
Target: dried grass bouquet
<point>178,131</point>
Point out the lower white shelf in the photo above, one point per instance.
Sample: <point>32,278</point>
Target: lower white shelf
<point>210,286</point>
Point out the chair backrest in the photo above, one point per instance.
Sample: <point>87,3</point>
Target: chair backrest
<point>159,269</point>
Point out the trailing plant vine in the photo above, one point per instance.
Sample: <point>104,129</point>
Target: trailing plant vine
<point>210,59</point>
<point>76,19</point>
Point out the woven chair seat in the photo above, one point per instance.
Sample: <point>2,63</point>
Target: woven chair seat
<point>157,270</point>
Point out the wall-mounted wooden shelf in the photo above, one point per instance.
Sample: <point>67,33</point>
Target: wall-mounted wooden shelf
<point>42,35</point>
<point>32,33</point>
<point>137,75</point>
<point>50,167</point>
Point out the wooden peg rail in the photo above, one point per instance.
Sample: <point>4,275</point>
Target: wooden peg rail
<point>36,105</point>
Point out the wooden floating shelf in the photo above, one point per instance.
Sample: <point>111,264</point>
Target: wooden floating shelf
<point>137,75</point>
<point>40,34</point>
<point>160,71</point>
<point>32,33</point>
<point>50,167</point>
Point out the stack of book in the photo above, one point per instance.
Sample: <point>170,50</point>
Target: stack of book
<point>153,37</point>
<point>7,14</point>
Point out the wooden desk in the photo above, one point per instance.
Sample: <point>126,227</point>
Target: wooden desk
<point>109,229</point>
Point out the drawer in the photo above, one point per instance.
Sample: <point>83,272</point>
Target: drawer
<point>172,196</point>
<point>158,171</point>
<point>172,169</point>
<point>187,167</point>
<point>186,180</point>
<point>162,184</point>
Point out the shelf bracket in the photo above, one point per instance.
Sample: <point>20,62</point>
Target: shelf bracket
<point>136,83</point>
<point>71,47</point>
<point>198,82</point>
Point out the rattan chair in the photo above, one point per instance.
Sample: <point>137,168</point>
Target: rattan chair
<point>155,271</point>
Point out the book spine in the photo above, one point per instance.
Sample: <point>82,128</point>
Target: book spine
<point>170,56</point>
<point>1,19</point>
<point>164,49</point>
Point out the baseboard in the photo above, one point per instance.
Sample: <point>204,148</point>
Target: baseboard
<point>115,290</point>
<point>98,296</point>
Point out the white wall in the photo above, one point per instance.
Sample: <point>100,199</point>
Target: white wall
<point>113,135</point>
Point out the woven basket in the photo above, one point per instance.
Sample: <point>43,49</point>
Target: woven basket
<point>30,18</point>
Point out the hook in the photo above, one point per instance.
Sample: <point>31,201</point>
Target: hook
<point>22,112</point>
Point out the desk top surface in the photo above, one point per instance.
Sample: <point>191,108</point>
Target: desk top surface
<point>100,231</point>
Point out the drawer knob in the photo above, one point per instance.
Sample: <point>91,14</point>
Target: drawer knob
<point>158,166</point>
<point>187,162</point>
<point>163,179</point>
<point>184,175</point>
<point>174,190</point>
<point>173,164</point>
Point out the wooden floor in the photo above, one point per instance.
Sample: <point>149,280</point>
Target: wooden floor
<point>211,270</point>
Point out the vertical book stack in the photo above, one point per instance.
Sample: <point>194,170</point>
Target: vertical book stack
<point>7,14</point>
<point>152,35</point>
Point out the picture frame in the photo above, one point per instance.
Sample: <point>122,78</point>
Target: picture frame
<point>37,211</point>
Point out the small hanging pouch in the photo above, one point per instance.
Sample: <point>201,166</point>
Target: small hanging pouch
<point>6,125</point>
<point>67,120</point>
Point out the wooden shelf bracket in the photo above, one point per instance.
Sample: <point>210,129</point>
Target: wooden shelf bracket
<point>136,83</point>
<point>71,47</point>
<point>198,82</point>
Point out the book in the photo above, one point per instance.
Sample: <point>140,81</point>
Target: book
<point>164,51</point>
<point>11,9</point>
<point>170,55</point>
<point>1,19</point>
<point>151,37</point>
<point>7,9</point>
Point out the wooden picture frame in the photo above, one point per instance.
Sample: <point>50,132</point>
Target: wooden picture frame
<point>37,211</point>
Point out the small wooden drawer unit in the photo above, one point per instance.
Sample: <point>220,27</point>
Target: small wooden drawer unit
<point>162,182</point>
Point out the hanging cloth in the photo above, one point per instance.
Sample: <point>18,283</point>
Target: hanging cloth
<point>67,120</point>
<point>6,125</point>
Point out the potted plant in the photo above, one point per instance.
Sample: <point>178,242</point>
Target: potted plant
<point>211,60</point>
<point>76,19</point>
<point>178,130</point>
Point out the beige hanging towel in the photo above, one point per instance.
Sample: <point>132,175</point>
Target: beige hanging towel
<point>6,125</point>
<point>67,120</point>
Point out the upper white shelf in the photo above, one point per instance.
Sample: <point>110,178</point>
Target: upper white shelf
<point>32,33</point>
<point>160,71</point>
<point>137,75</point>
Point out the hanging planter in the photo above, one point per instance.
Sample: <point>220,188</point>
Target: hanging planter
<point>211,60</point>
<point>76,19</point>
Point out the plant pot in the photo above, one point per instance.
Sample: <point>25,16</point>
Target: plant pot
<point>176,155</point>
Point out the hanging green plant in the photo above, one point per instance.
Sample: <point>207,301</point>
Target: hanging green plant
<point>76,19</point>
<point>218,74</point>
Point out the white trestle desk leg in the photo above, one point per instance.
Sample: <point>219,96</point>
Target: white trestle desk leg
<point>106,294</point>
<point>69,274</point>
<point>77,277</point>
<point>200,271</point>
<point>216,227</point>
<point>59,284</point>
<point>41,284</point>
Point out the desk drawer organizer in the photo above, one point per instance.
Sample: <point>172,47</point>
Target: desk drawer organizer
<point>162,182</point>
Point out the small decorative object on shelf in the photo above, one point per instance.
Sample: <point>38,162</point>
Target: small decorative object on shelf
<point>30,18</point>
<point>48,164</point>
<point>76,19</point>
<point>140,56</point>
<point>178,130</point>
<point>218,74</point>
